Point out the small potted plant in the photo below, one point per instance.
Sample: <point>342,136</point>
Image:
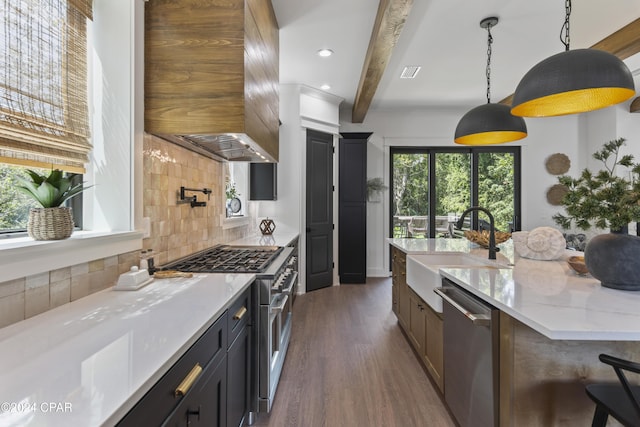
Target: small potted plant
<point>52,221</point>
<point>375,186</point>
<point>607,200</point>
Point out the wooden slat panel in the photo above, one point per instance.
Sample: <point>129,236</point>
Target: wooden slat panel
<point>261,75</point>
<point>623,43</point>
<point>390,20</point>
<point>161,82</point>
<point>635,106</point>
<point>194,61</point>
<point>211,66</point>
<point>201,116</point>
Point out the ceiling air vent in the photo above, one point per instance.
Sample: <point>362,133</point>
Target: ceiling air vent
<point>410,72</point>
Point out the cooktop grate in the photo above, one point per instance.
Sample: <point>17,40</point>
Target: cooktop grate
<point>228,259</point>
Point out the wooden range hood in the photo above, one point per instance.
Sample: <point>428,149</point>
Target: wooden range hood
<point>211,76</point>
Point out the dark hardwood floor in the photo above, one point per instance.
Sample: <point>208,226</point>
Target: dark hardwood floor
<point>349,364</point>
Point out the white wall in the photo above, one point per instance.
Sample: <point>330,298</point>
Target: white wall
<point>577,136</point>
<point>301,108</point>
<point>113,66</point>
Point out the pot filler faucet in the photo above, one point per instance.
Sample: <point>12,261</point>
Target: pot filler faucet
<point>492,228</point>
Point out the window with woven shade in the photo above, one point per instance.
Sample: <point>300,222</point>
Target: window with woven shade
<point>43,83</point>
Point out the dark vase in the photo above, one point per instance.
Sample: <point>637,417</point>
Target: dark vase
<point>614,260</point>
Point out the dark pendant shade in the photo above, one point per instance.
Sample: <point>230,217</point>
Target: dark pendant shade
<point>489,124</point>
<point>573,81</point>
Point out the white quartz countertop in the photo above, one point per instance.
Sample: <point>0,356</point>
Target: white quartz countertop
<point>550,298</point>
<point>88,362</point>
<point>547,296</point>
<point>282,236</point>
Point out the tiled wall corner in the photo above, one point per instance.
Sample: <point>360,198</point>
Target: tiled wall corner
<point>178,230</point>
<point>31,295</point>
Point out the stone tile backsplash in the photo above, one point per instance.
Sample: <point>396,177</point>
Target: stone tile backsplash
<point>25,297</point>
<point>177,230</point>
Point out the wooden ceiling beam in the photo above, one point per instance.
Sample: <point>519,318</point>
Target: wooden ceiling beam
<point>623,43</point>
<point>392,14</point>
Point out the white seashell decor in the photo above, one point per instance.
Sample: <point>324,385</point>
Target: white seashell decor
<point>542,243</point>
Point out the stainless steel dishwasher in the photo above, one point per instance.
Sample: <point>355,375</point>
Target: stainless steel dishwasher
<point>471,356</point>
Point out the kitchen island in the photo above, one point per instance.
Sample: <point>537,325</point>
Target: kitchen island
<point>553,325</point>
<point>87,363</point>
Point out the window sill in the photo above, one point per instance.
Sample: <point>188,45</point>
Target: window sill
<point>24,256</point>
<point>233,222</point>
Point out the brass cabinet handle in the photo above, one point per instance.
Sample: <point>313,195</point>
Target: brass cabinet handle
<point>240,313</point>
<point>188,381</point>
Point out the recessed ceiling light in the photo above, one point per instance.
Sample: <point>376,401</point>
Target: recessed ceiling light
<point>325,52</point>
<point>325,87</point>
<point>410,72</point>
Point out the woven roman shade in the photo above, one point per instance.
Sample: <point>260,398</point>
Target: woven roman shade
<point>43,83</point>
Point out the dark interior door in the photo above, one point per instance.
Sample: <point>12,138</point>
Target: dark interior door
<point>319,221</point>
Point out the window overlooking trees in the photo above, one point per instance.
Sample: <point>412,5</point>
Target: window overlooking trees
<point>433,186</point>
<point>496,187</point>
<point>44,117</point>
<point>14,205</point>
<point>410,184</point>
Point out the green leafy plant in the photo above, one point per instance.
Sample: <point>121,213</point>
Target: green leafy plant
<point>50,191</point>
<point>375,185</point>
<point>603,199</point>
<point>231,191</point>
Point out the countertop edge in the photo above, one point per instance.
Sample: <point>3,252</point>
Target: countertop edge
<point>133,399</point>
<point>557,334</point>
<point>280,237</point>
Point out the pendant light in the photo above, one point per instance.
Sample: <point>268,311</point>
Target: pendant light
<point>572,81</point>
<point>489,123</point>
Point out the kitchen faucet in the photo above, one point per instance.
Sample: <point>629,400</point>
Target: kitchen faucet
<point>492,229</point>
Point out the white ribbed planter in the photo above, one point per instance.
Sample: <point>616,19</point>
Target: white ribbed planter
<point>50,223</point>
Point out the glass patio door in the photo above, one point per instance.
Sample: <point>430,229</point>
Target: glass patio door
<point>431,187</point>
<point>497,187</point>
<point>410,190</point>
<point>452,190</point>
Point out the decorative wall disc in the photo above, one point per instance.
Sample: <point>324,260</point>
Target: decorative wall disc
<point>556,193</point>
<point>557,164</point>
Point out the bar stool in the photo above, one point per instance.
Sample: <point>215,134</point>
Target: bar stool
<point>621,401</point>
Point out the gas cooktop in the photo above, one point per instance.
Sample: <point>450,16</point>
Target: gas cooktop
<point>227,259</point>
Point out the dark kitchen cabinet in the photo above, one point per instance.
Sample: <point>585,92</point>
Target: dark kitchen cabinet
<point>221,366</point>
<point>352,208</point>
<point>239,367</point>
<point>206,404</point>
<point>238,379</point>
<point>162,402</point>
<point>263,181</point>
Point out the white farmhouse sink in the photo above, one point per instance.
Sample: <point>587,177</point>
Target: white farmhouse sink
<point>423,276</point>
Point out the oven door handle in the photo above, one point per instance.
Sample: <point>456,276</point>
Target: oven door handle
<point>278,308</point>
<point>294,279</point>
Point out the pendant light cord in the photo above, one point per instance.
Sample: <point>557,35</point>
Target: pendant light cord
<point>564,31</point>
<point>488,71</point>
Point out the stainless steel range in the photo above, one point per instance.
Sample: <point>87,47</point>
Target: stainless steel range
<point>276,278</point>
